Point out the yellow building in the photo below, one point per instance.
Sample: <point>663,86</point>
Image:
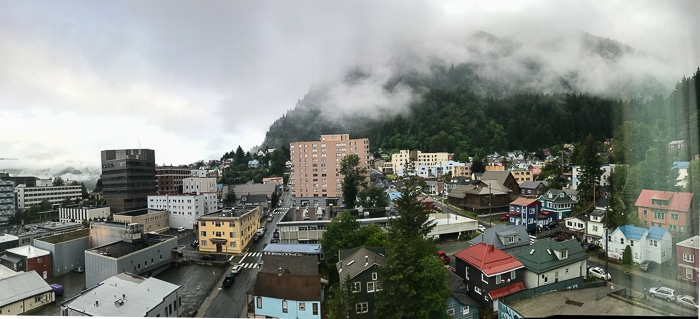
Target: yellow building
<point>153,220</point>
<point>228,230</point>
<point>462,171</point>
<point>522,175</point>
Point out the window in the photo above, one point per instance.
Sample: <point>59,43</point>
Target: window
<point>379,286</point>
<point>361,307</point>
<point>688,273</point>
<point>258,302</point>
<point>302,306</point>
<point>622,240</point>
<point>644,213</point>
<point>370,286</point>
<point>314,307</point>
<point>484,278</point>
<point>204,233</point>
<point>451,312</point>
<point>465,310</point>
<point>688,257</point>
<point>477,290</point>
<point>512,274</point>
<point>653,243</point>
<point>357,286</point>
<point>674,216</point>
<point>374,276</point>
<point>498,279</point>
<point>663,254</point>
<point>659,215</point>
<point>284,306</point>
<point>564,253</point>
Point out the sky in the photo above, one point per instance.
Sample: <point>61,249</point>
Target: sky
<point>193,80</point>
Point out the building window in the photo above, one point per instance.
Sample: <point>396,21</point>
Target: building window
<point>653,243</point>
<point>477,290</point>
<point>688,273</point>
<point>370,286</point>
<point>451,312</point>
<point>204,233</point>
<point>512,274</point>
<point>663,254</point>
<point>361,307</point>
<point>465,310</point>
<point>379,286</point>
<point>314,307</point>
<point>484,278</point>
<point>498,279</point>
<point>357,286</point>
<point>674,216</point>
<point>284,306</point>
<point>688,257</point>
<point>39,260</point>
<point>659,215</point>
<point>374,276</point>
<point>644,213</point>
<point>302,306</point>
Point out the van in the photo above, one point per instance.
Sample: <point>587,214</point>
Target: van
<point>57,289</point>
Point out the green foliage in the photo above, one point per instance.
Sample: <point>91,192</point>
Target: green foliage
<point>353,178</point>
<point>372,196</point>
<point>58,181</point>
<point>627,255</point>
<point>274,200</point>
<point>588,158</point>
<point>230,197</point>
<point>340,303</point>
<point>98,186</point>
<point>553,173</point>
<point>416,284</point>
<point>84,192</point>
<point>345,232</point>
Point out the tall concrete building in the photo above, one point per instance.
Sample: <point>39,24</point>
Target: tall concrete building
<point>8,201</point>
<point>315,176</point>
<point>128,177</point>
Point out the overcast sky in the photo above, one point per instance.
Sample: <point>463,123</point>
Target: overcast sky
<point>195,79</point>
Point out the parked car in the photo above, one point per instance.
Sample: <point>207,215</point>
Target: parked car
<point>207,257</point>
<point>228,280</point>
<point>79,269</point>
<point>663,293</point>
<point>599,273</point>
<point>687,301</point>
<point>482,228</point>
<point>590,247</point>
<point>256,238</point>
<point>443,256</point>
<point>504,218</point>
<point>647,265</point>
<point>195,243</point>
<point>181,229</point>
<point>236,268</point>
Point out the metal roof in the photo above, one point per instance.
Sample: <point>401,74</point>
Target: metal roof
<point>21,286</point>
<point>29,251</point>
<point>294,248</point>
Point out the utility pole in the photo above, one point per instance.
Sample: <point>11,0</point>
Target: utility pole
<point>490,195</point>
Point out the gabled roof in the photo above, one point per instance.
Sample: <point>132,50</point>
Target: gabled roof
<point>541,256</point>
<point>533,184</point>
<point>490,260</point>
<point>656,233</point>
<point>678,201</point>
<point>295,265</point>
<point>253,198</point>
<point>481,188</point>
<point>492,236</point>
<point>288,286</point>
<point>354,261</point>
<point>499,176</point>
<point>556,196</point>
<point>692,242</point>
<point>21,286</point>
<point>522,201</point>
<point>459,290</point>
<point>632,232</point>
<point>598,212</point>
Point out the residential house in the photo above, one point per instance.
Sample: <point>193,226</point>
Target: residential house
<point>682,179</point>
<point>606,172</point>
<point>595,227</point>
<point>459,304</point>
<point>652,244</point>
<point>483,197</point>
<point>524,211</point>
<point>253,163</point>
<point>255,200</point>
<point>551,265</point>
<point>286,287</point>
<point>576,226</point>
<point>558,202</point>
<point>687,258</point>
<point>489,272</point>
<point>508,238</point>
<point>671,210</point>
<point>361,266</point>
<point>28,258</point>
<point>504,178</point>
<point>532,189</point>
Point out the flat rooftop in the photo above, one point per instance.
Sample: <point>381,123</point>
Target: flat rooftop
<point>66,236</point>
<point>122,248</point>
<point>139,212</point>
<point>293,248</point>
<point>231,212</point>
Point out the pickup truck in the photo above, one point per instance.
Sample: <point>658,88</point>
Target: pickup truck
<point>228,280</point>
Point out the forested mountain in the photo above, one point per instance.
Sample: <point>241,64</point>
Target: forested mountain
<point>501,97</point>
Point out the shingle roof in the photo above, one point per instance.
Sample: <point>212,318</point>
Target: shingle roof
<point>490,260</point>
<point>288,286</point>
<point>632,232</point>
<point>500,176</point>
<point>491,236</point>
<point>532,184</point>
<point>656,233</point>
<point>459,290</point>
<point>540,257</point>
<point>356,260</point>
<point>692,242</point>
<point>678,201</point>
<point>556,196</point>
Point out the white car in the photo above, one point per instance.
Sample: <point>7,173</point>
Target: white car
<point>482,228</point>
<point>663,293</point>
<point>687,301</point>
<point>599,273</point>
<point>236,269</point>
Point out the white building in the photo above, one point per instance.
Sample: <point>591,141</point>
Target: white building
<point>652,244</point>
<point>604,180</point>
<point>184,209</point>
<point>454,225</point>
<point>199,173</point>
<point>594,227</point>
<point>78,214</point>
<point>199,185</point>
<point>127,295</point>
<point>405,162</point>
<point>34,195</point>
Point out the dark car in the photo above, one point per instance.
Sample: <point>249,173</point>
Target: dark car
<point>79,270</point>
<point>551,225</point>
<point>647,265</point>
<point>195,243</point>
<point>207,257</point>
<point>590,247</point>
<point>256,238</point>
<point>228,280</point>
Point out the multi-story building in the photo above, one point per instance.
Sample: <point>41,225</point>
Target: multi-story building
<point>28,258</point>
<point>652,244</point>
<point>228,230</point>
<point>81,213</point>
<point>670,210</point>
<point>522,175</point>
<point>169,178</point>
<point>184,209</point>
<point>8,201</point>
<point>199,185</point>
<point>153,220</point>
<point>315,175</point>
<point>405,162</point>
<point>126,295</point>
<point>128,177</point>
<point>67,250</point>
<point>688,258</point>
<point>30,196</point>
<point>557,201</point>
<point>604,179</point>
<point>465,170</point>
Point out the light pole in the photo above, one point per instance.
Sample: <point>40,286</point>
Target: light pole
<point>490,195</point>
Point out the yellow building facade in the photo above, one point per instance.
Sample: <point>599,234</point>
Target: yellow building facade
<point>522,175</point>
<point>228,230</point>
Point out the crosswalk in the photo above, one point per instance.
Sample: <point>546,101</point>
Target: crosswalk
<point>252,254</point>
<point>250,265</point>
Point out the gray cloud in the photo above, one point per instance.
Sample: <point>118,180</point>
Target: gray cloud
<point>201,78</point>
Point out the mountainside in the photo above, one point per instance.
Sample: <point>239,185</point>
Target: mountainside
<point>86,175</point>
<point>568,82</point>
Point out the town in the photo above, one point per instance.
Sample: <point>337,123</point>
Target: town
<point>316,241</point>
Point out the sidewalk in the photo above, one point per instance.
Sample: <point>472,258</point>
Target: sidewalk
<point>683,284</point>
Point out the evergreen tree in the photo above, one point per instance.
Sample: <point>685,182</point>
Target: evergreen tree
<point>372,196</point>
<point>415,282</point>
<point>353,178</point>
<point>589,170</point>
<point>58,181</point>
<point>230,197</point>
<point>240,156</point>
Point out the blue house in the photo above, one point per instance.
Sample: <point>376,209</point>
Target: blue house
<point>524,211</point>
<point>459,304</point>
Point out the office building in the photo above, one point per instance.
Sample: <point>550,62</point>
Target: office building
<point>128,177</point>
<point>8,201</point>
<point>169,178</point>
<point>315,176</point>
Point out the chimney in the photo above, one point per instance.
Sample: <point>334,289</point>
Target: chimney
<point>279,271</point>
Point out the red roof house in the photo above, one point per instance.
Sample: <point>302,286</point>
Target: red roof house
<point>489,272</point>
